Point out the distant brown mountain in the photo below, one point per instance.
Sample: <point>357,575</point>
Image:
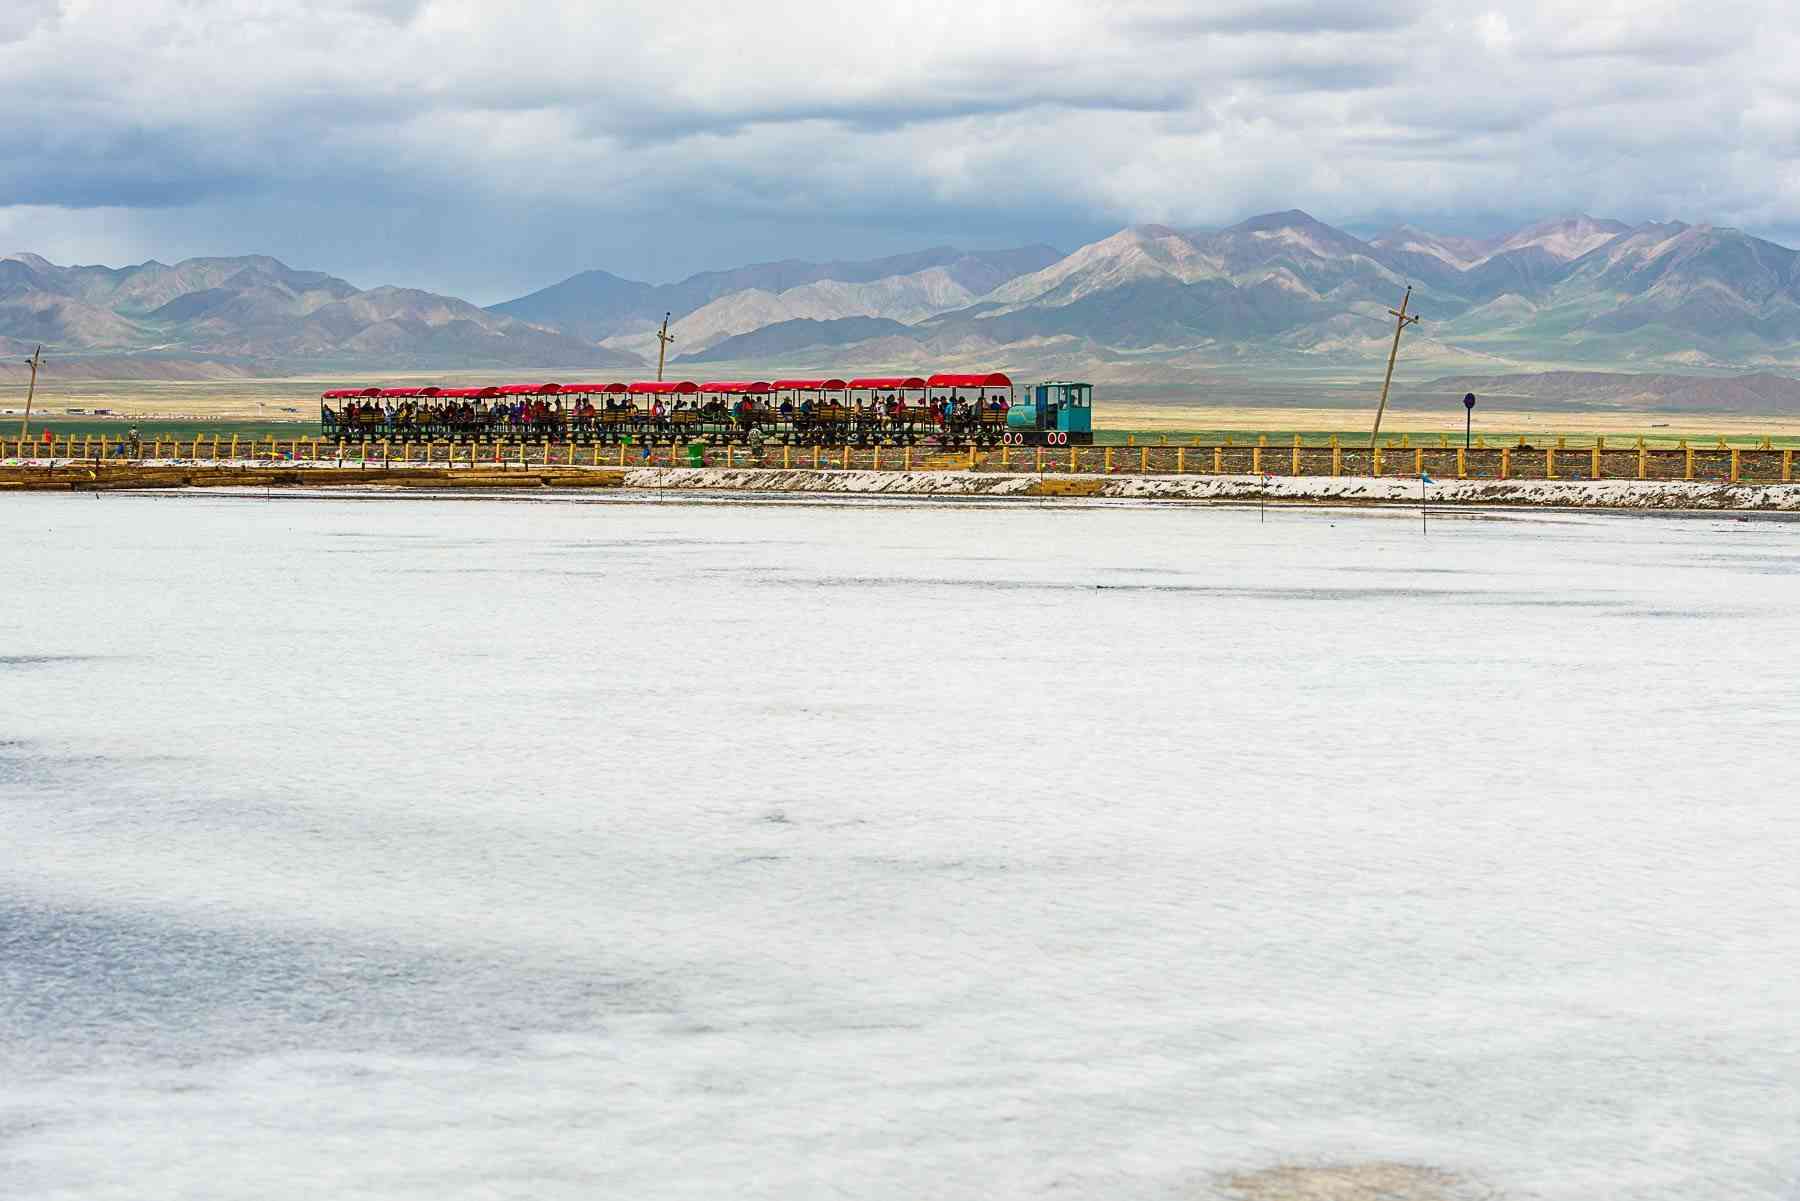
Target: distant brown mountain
<point>598,304</point>
<point>258,313</point>
<point>1285,292</point>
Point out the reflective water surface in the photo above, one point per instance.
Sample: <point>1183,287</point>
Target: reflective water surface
<point>497,847</point>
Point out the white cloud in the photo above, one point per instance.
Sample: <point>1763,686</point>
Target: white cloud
<point>538,128</point>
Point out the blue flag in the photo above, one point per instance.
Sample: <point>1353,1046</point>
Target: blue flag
<point>1425,479</point>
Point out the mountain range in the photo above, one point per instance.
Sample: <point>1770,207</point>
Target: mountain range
<point>258,313</point>
<point>1281,292</point>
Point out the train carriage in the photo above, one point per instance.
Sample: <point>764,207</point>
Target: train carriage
<point>945,409</point>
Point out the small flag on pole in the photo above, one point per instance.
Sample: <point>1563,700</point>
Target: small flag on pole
<point>1426,479</point>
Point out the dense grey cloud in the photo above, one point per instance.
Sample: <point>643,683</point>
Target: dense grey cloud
<point>488,148</point>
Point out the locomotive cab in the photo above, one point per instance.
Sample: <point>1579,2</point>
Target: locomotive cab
<point>1061,407</point>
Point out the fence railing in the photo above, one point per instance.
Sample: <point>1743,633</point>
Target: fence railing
<point>1598,462</point>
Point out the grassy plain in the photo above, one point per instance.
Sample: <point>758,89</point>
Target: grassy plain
<point>263,407</point>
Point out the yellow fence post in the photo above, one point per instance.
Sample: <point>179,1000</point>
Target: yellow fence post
<point>1688,468</point>
<point>1294,468</point>
<point>906,459</point>
<point>1376,456</point>
<point>1144,461</point>
<point>1596,470</point>
<point>1462,463</point>
<point>730,455</point>
<point>1181,460</point>
<point>1005,457</point>
<point>846,456</point>
<point>1073,461</point>
<point>1549,462</point>
<point>787,456</point>
<point>1337,457</point>
<point>234,453</point>
<point>1735,465</point>
<point>1419,461</point>
<point>1218,460</point>
<point>971,456</point>
<point>1256,459</point>
<point>1505,461</point>
<point>1787,466</point>
<point>877,456</point>
<point>1643,461</point>
<point>1106,460</point>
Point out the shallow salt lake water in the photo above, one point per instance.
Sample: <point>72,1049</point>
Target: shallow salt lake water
<point>494,847</point>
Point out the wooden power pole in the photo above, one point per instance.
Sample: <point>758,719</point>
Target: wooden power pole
<point>1401,321</point>
<point>663,338</point>
<point>37,357</point>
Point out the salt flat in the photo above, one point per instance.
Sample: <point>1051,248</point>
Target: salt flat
<point>576,847</point>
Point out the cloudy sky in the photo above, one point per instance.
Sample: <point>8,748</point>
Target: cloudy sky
<point>488,148</point>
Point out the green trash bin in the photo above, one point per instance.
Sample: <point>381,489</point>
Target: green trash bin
<point>696,454</point>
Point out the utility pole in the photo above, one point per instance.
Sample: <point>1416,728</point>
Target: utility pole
<point>1401,321</point>
<point>663,338</point>
<point>37,357</point>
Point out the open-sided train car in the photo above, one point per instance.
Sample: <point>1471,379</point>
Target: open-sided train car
<point>946,409</point>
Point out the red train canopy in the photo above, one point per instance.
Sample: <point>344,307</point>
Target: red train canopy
<point>809,385</point>
<point>994,379</point>
<point>888,381</point>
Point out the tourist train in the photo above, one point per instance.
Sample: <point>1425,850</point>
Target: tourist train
<point>945,409</point>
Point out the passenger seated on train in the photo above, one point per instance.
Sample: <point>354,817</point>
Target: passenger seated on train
<point>787,408</point>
